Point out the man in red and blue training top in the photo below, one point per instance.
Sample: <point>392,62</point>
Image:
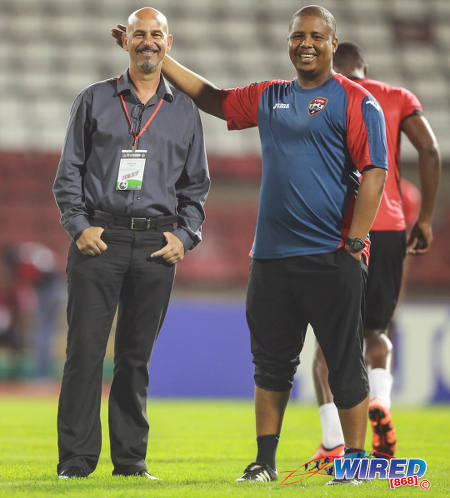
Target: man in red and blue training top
<point>403,112</point>
<point>318,133</point>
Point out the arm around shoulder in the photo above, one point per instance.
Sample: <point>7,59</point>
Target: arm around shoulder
<point>204,93</point>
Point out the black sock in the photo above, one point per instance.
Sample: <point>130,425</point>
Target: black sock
<point>356,452</point>
<point>267,449</point>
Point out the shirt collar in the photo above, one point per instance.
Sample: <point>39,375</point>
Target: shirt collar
<point>163,91</point>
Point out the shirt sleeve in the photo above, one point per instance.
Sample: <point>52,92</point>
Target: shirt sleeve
<point>366,132</point>
<point>240,105</point>
<point>68,184</point>
<point>192,189</point>
<point>410,104</point>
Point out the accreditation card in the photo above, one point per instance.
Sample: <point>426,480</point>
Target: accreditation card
<point>131,170</point>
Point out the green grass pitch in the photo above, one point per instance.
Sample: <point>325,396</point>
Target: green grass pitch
<point>199,448</point>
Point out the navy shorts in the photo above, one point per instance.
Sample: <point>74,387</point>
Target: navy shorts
<point>387,253</point>
<point>324,290</point>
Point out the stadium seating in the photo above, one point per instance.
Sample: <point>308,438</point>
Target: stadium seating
<point>65,46</point>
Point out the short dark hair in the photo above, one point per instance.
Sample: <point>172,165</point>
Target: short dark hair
<point>315,11</point>
<point>349,54</point>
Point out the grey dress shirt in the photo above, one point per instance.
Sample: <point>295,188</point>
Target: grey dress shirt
<point>176,179</point>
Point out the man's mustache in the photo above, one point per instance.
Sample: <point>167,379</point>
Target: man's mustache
<point>147,47</point>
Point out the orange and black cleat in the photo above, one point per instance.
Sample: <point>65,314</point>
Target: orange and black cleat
<point>384,440</point>
<point>321,452</point>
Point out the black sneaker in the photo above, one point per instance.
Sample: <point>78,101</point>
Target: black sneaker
<point>72,472</point>
<point>139,473</point>
<point>352,482</point>
<point>258,472</point>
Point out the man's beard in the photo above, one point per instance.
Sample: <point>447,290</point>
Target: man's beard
<point>147,66</point>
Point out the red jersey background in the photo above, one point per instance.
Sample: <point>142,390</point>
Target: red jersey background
<point>397,104</point>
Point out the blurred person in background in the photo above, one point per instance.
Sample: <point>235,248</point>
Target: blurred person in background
<point>389,246</point>
<point>18,308</point>
<point>411,202</point>
<point>133,165</point>
<point>311,233</point>
<point>35,266</point>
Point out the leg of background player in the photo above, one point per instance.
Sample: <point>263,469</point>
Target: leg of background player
<point>379,359</point>
<point>320,377</point>
<point>332,435</point>
<point>388,250</point>
<point>351,420</point>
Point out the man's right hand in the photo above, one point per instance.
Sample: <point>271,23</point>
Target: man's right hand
<point>117,33</point>
<point>89,241</point>
<point>420,238</point>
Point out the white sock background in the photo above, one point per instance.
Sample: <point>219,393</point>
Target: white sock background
<point>332,435</point>
<point>380,381</point>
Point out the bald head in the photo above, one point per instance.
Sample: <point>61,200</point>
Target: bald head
<point>349,60</point>
<point>315,11</point>
<point>147,40</point>
<point>147,14</point>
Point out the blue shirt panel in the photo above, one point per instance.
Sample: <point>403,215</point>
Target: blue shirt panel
<point>306,184</point>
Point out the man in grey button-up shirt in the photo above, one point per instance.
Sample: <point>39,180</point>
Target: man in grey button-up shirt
<point>125,242</point>
<point>175,180</point>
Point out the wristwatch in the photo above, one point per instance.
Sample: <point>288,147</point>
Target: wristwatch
<point>355,244</point>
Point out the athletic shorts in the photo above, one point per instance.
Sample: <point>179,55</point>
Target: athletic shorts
<point>324,290</point>
<point>387,252</point>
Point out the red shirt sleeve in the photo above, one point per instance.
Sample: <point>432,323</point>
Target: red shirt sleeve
<point>410,103</point>
<point>240,105</point>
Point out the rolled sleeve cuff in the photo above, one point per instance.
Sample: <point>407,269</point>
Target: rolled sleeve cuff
<point>184,236</point>
<point>76,225</point>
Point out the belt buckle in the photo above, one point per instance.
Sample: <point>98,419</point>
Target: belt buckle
<point>140,223</point>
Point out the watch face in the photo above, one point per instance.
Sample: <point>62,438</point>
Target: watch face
<point>357,245</point>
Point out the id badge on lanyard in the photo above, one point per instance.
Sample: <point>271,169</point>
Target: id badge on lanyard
<point>132,162</point>
<point>131,170</point>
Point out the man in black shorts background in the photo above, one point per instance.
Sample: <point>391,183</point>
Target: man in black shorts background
<point>403,112</point>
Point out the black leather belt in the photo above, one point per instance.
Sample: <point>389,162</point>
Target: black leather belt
<point>133,223</point>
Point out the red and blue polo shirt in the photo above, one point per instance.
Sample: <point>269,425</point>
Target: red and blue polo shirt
<point>315,144</point>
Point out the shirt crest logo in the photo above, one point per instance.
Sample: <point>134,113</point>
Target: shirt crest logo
<point>316,105</point>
